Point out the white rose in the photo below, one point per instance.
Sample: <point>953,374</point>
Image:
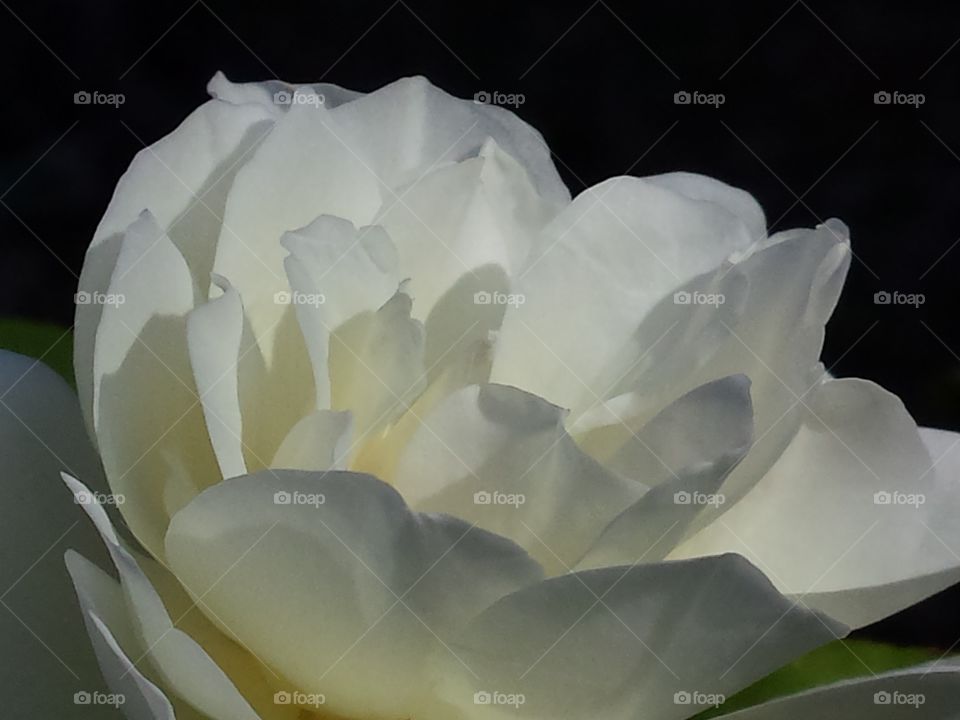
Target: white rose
<point>401,430</point>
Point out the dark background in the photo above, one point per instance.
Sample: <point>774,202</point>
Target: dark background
<point>799,129</point>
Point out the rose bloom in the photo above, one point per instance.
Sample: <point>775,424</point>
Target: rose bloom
<point>392,427</point>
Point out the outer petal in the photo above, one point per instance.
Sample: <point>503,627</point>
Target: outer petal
<point>114,641</point>
<point>500,457</point>
<point>46,655</point>
<point>703,435</point>
<point>156,459</point>
<point>411,125</point>
<point>179,662</point>
<point>851,514</point>
<point>599,269</point>
<point>309,165</point>
<point>930,692</point>
<point>183,180</point>
<point>336,584</point>
<point>626,639</point>
<point>460,217</point>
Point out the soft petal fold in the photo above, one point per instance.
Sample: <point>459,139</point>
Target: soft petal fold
<point>336,584</point>
<point>598,269</point>
<point>627,639</point>
<point>150,425</point>
<point>501,458</point>
<point>854,518</point>
<point>178,660</point>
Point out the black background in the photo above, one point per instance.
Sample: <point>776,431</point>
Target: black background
<point>799,129</point>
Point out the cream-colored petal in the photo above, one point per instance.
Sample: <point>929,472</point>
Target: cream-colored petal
<point>177,660</point>
<point>499,457</point>
<point>853,508</point>
<point>336,584</point>
<point>625,640</point>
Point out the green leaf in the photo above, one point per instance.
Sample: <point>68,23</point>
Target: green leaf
<point>841,660</point>
<point>51,344</point>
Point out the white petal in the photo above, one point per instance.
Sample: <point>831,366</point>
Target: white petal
<point>183,180</point>
<point>156,459</point>
<point>335,272</point>
<point>274,95</point>
<point>376,365</point>
<point>794,282</point>
<point>626,639</point>
<point>411,125</point>
<point>736,201</point>
<point>500,457</point>
<point>320,441</point>
<point>461,217</point>
<point>214,336</point>
<point>181,664</point>
<point>852,518</point>
<point>599,269</point>
<point>336,584</point>
<point>929,692</point>
<point>685,453</point>
<point>309,165</point>
<point>46,655</point>
<point>142,699</point>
